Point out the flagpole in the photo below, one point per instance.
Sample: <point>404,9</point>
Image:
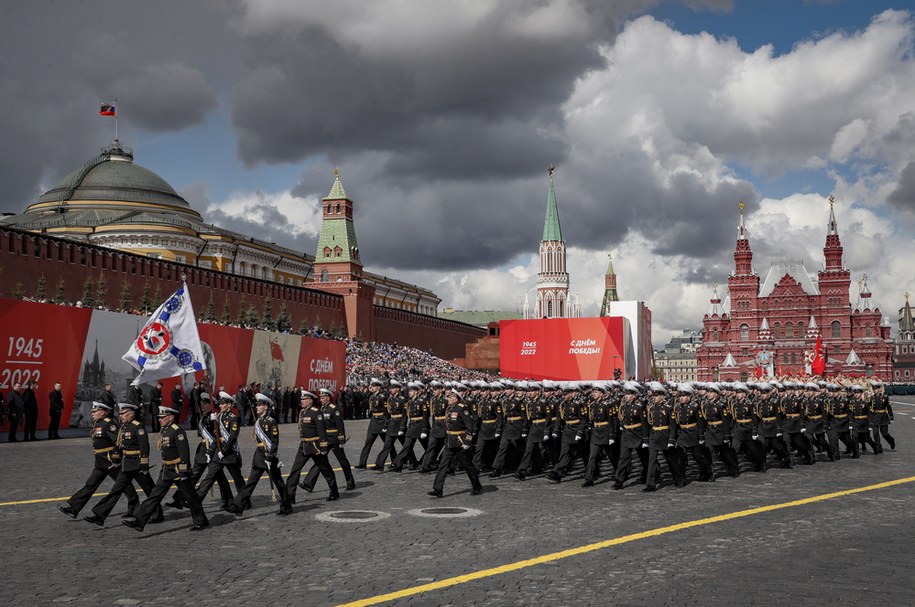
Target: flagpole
<point>118,143</point>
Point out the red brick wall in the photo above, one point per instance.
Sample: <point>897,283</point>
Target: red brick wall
<point>444,338</point>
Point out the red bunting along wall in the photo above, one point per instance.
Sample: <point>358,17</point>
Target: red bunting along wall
<point>82,349</point>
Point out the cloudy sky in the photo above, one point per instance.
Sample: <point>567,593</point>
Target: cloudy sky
<point>444,116</point>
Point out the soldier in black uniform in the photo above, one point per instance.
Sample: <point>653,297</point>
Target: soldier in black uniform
<point>176,469</point>
<point>415,427</point>
<point>838,413</point>
<point>104,437</point>
<point>133,444</point>
<point>267,438</point>
<point>793,426</point>
<point>571,428</point>
<point>437,405</point>
<point>602,418</point>
<point>633,434</point>
<point>55,410</point>
<point>397,407</point>
<point>378,420</point>
<point>537,429</point>
<point>662,439</point>
<point>743,430</point>
<point>489,416</point>
<point>881,416</point>
<point>512,430</point>
<point>815,423</point>
<point>313,447</point>
<point>224,453</point>
<point>860,418</point>
<point>691,432</point>
<point>716,414</point>
<point>459,429</point>
<point>768,425</point>
<point>336,436</point>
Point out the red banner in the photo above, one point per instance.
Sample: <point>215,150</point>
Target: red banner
<point>562,348</point>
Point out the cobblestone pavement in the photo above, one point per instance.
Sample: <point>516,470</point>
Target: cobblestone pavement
<point>853,547</point>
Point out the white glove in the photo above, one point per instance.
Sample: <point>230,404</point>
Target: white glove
<point>208,458</point>
<point>670,445</point>
<point>778,434</point>
<point>546,437</point>
<point>524,436</point>
<point>850,428</point>
<point>269,464</point>
<point>555,435</point>
<point>465,447</point>
<point>611,442</point>
<point>219,455</point>
<point>577,438</point>
<point>498,435</point>
<point>400,433</point>
<point>755,437</point>
<point>702,441</point>
<point>212,417</point>
<point>644,444</point>
<point>424,435</point>
<point>803,430</point>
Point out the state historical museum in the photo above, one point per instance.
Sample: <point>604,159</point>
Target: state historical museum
<point>771,329</point>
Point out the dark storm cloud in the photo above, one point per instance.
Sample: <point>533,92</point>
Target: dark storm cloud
<point>264,222</point>
<point>166,97</point>
<point>903,197</point>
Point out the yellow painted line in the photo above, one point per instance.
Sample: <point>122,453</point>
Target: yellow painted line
<point>63,499</point>
<point>564,554</point>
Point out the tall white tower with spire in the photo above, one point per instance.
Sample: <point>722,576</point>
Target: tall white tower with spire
<point>552,280</point>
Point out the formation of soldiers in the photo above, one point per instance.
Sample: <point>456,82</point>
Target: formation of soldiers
<point>480,427</point>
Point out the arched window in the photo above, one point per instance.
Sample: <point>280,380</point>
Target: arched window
<point>324,275</point>
<point>777,330</point>
<point>744,332</point>
<point>789,330</point>
<point>836,328</point>
<point>867,331</point>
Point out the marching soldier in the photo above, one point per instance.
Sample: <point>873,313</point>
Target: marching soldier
<point>633,434</point>
<point>313,445</point>
<point>815,423</point>
<point>691,433</point>
<point>133,444</point>
<point>459,429</point>
<point>489,414</point>
<point>716,413</point>
<point>176,469</point>
<point>537,430</point>
<point>378,420</point>
<point>838,412</point>
<point>768,425</point>
<point>881,416</point>
<point>396,406</point>
<point>437,435</point>
<point>793,423</point>
<point>104,437</point>
<point>663,439</point>
<point>336,437</point>
<point>417,427</point>
<point>512,430</point>
<point>602,417</point>
<point>860,419</point>
<point>224,453</point>
<point>743,431</point>
<point>571,428</point>
<point>267,441</point>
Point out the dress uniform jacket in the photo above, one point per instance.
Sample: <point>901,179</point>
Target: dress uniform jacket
<point>397,408</point>
<point>134,446</point>
<point>660,422</point>
<point>860,415</point>
<point>602,417</point>
<point>417,412</point>
<point>378,413</point>
<point>489,419</point>
<point>311,431</point>
<point>690,424</point>
<point>514,419</point>
<point>743,418</point>
<point>879,409</point>
<point>792,409</point>
<point>768,418</point>
<point>176,454</point>
<point>227,426</point>
<point>838,413</point>
<point>104,444</point>
<point>267,439</point>
<point>539,423</point>
<point>815,413</point>
<point>572,421</point>
<point>459,426</point>
<point>716,415</point>
<point>438,404</point>
<point>334,426</point>
<point>633,426</point>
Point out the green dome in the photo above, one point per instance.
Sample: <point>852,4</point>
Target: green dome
<point>113,176</point>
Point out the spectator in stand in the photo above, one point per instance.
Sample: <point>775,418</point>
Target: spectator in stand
<point>196,391</point>
<point>15,407</point>
<point>55,410</point>
<point>287,404</point>
<point>30,411</point>
<point>154,402</point>
<point>241,403</point>
<point>177,398</point>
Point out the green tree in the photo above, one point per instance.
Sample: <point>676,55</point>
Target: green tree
<point>88,297</point>
<point>283,322</point>
<point>101,290</point>
<point>41,291</point>
<point>226,312</point>
<point>267,315</point>
<point>157,296</point>
<point>242,313</point>
<point>60,293</point>
<point>209,312</point>
<point>252,318</point>
<point>18,292</point>
<point>125,300</point>
<point>303,326</point>
<point>145,300</point>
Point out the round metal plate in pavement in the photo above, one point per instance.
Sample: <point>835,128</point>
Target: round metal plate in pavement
<point>445,512</point>
<point>352,516</point>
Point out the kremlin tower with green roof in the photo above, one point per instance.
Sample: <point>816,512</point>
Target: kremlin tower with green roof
<point>553,279</point>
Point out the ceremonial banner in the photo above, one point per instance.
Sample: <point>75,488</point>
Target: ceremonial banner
<point>322,364</point>
<point>563,348</point>
<point>168,346</point>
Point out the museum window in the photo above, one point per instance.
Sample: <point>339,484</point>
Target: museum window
<point>789,330</point>
<point>836,328</point>
<point>744,332</point>
<point>324,275</point>
<point>867,331</point>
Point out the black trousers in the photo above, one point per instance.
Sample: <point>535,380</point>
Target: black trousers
<point>819,441</point>
<point>625,463</point>
<point>485,453</point>
<point>803,448</point>
<point>507,447</point>
<point>196,472</point>
<point>882,430</point>
<point>778,447</point>
<point>212,472</point>
<point>124,479</point>
<point>567,455</point>
<point>703,459</point>
<point>388,449</point>
<point>243,499</point>
<point>676,463</point>
<point>851,445</point>
<point>367,447</point>
<point>406,453</point>
<point>433,450</point>
<point>728,458</point>
<point>312,477</point>
<point>463,458</point>
<point>14,427</point>
<point>152,503</point>
<point>96,477</point>
<point>754,451</point>
<point>54,425</point>
<point>31,424</point>
<point>595,452</point>
<point>863,437</point>
<point>537,455</point>
<point>320,460</point>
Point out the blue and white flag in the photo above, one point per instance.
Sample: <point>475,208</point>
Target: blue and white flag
<point>168,345</point>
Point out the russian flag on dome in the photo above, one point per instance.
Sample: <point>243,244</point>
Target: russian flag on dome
<point>107,110</point>
<point>168,345</point>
